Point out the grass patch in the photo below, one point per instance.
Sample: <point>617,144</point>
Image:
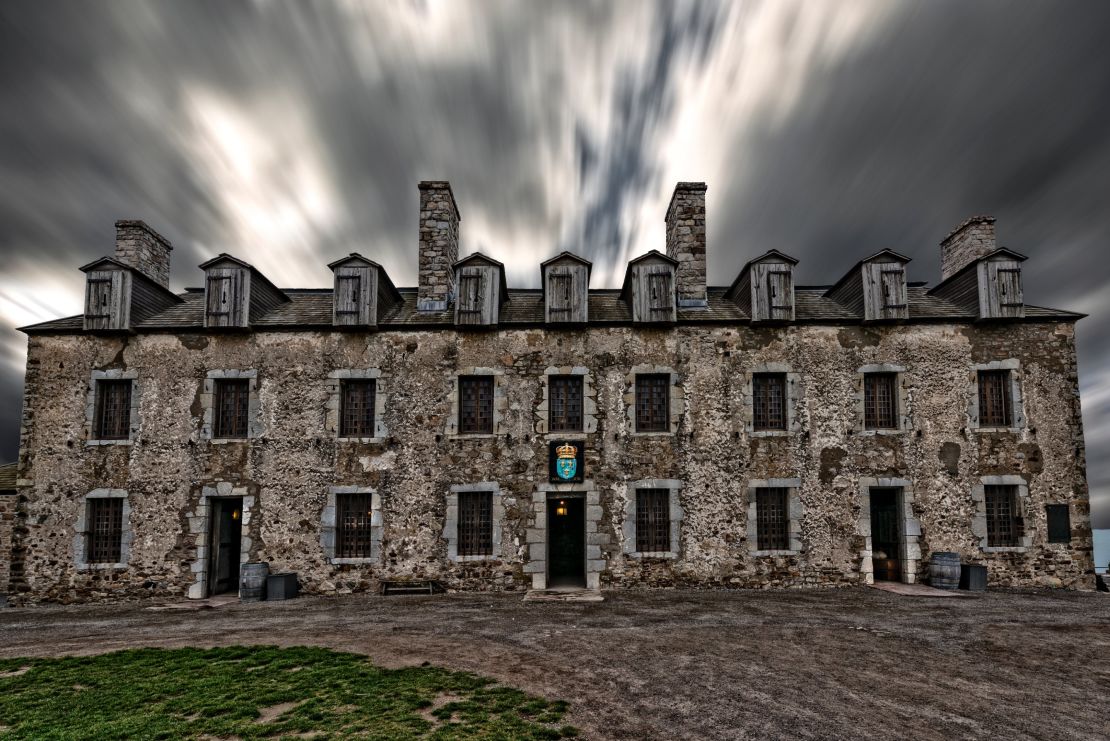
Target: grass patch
<point>260,692</point>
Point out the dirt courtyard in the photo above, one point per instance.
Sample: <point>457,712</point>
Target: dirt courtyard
<point>845,663</point>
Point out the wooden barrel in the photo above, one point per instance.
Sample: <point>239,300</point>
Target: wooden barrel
<point>944,570</point>
<point>252,581</point>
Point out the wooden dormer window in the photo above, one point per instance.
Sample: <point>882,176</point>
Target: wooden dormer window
<point>559,298</point>
<point>660,295</point>
<point>894,287</point>
<point>107,296</point>
<point>1009,287</point>
<point>347,291</point>
<point>566,288</point>
<point>780,294</point>
<point>471,298</point>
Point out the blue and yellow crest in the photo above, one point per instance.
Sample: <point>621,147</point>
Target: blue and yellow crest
<point>566,461</point>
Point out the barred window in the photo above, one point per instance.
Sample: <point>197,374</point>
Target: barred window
<point>1004,526</point>
<point>564,403</point>
<point>232,404</point>
<point>113,410</point>
<point>475,535</point>
<point>772,519</point>
<point>653,520</point>
<point>105,530</point>
<point>995,401</point>
<point>476,404</point>
<point>653,402</point>
<point>353,517</point>
<point>769,401</point>
<point>880,401</point>
<point>356,412</point>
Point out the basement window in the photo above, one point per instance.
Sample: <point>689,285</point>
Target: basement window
<point>105,530</point>
<point>1004,523</point>
<point>353,525</point>
<point>475,523</point>
<point>653,520</point>
<point>772,519</point>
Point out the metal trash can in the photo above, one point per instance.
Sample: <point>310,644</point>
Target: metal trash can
<point>281,586</point>
<point>973,577</point>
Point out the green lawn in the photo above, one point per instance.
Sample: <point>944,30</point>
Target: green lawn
<point>259,692</point>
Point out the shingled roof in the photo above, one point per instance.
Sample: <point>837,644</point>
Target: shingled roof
<point>311,308</point>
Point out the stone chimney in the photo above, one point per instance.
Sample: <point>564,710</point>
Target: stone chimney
<point>686,242</point>
<point>967,243</point>
<point>439,245</point>
<point>145,250</point>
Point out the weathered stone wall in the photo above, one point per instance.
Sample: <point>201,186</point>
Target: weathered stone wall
<point>439,245</point>
<point>7,526</point>
<point>290,469</point>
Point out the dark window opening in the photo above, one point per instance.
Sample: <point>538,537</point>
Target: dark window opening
<point>772,519</point>
<point>105,533</point>
<point>653,402</point>
<point>113,410</point>
<point>564,403</point>
<point>476,404</point>
<point>769,401</point>
<point>995,399</point>
<point>653,520</point>
<point>356,414</point>
<point>1059,523</point>
<point>880,401</point>
<point>1004,525</point>
<point>231,410</point>
<point>475,535</point>
<point>354,517</point>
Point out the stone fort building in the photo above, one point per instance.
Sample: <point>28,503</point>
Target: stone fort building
<point>666,433</point>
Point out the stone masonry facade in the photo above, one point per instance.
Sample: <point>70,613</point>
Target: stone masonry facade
<point>414,469</point>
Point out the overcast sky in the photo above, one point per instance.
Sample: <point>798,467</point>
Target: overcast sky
<point>291,133</point>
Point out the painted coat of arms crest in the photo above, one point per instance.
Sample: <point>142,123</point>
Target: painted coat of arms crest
<point>566,461</point>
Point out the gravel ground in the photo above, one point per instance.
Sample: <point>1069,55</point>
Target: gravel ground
<point>846,663</point>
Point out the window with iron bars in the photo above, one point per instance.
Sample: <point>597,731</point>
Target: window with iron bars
<point>113,410</point>
<point>880,401</point>
<point>1004,525</point>
<point>354,517</point>
<point>475,528</point>
<point>105,531</point>
<point>476,404</point>
<point>564,403</point>
<point>356,407</point>
<point>772,519</point>
<point>768,401</point>
<point>653,520</point>
<point>231,408</point>
<point>995,400</point>
<point>653,403</point>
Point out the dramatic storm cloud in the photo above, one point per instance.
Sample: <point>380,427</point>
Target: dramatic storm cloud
<point>290,133</point>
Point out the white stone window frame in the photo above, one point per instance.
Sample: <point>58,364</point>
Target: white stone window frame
<point>90,406</point>
<point>589,403</point>
<point>329,529</point>
<point>910,549</point>
<point>536,536</point>
<point>200,528</point>
<point>1017,414</point>
<point>500,404</point>
<point>676,393</point>
<point>794,513</point>
<point>979,520</point>
<point>334,385</point>
<point>208,405</point>
<point>905,421</point>
<point>675,512</point>
<point>81,532</point>
<point>792,401</point>
<point>451,521</point>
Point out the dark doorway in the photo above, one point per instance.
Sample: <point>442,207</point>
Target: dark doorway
<point>886,534</point>
<point>226,518</point>
<point>566,541</point>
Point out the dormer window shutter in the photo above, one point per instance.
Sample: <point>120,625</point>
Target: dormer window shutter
<point>660,295</point>
<point>894,287</point>
<point>470,298</point>
<point>107,299</point>
<point>780,294</point>
<point>99,308</point>
<point>559,292</point>
<point>347,297</point>
<point>1009,287</point>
